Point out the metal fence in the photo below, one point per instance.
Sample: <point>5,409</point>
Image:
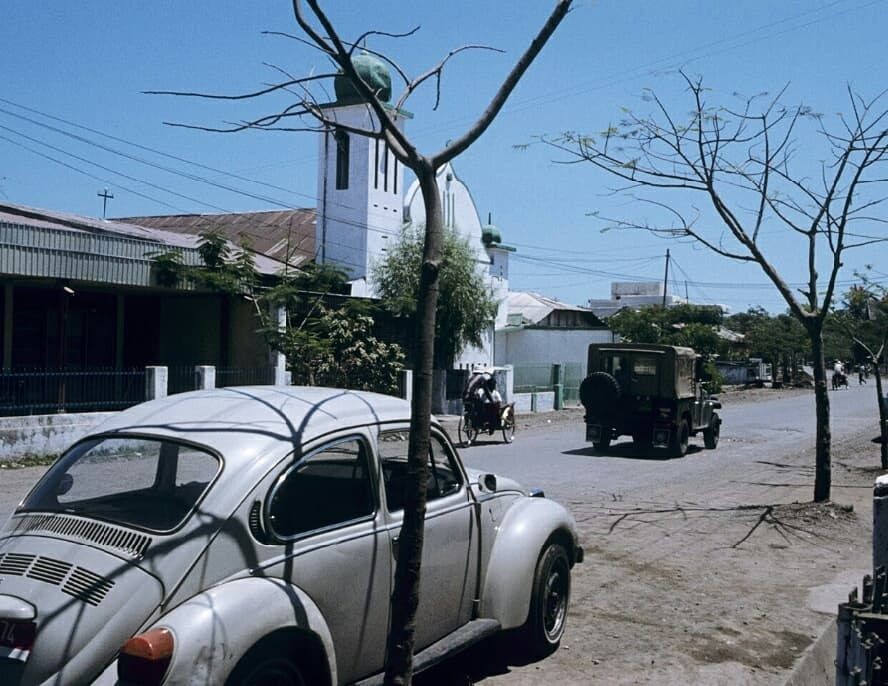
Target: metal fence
<point>51,391</point>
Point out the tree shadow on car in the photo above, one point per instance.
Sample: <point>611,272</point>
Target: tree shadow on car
<point>494,656</point>
<point>629,450</point>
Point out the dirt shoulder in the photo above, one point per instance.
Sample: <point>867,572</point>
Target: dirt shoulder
<point>729,586</point>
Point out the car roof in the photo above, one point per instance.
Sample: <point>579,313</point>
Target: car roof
<point>249,421</point>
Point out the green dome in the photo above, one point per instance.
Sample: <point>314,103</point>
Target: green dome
<point>374,73</point>
<point>490,235</point>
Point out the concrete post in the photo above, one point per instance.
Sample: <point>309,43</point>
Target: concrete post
<point>880,523</point>
<point>405,378</point>
<point>205,376</point>
<point>505,382</point>
<point>278,359</point>
<point>558,386</point>
<point>156,382</point>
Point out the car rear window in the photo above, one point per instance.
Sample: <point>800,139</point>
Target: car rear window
<point>141,482</point>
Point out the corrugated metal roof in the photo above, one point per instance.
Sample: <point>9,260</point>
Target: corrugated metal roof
<point>287,236</point>
<point>51,244</point>
<point>533,307</point>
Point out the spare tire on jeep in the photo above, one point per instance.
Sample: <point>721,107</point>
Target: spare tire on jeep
<point>599,392</point>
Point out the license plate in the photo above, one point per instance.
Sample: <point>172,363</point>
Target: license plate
<point>16,639</point>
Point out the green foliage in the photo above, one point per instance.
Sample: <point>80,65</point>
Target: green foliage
<point>713,379</point>
<point>327,337</point>
<point>168,268</point>
<point>684,325</point>
<point>466,306</point>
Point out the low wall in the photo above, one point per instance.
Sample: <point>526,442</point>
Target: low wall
<point>545,402</point>
<point>46,434</point>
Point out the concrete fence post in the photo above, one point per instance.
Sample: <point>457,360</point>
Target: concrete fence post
<point>508,386</point>
<point>156,380</point>
<point>205,376</point>
<point>405,381</point>
<point>558,386</point>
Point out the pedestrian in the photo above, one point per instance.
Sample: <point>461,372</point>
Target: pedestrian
<point>861,377</point>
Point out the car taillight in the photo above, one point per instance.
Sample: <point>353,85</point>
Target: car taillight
<point>143,659</point>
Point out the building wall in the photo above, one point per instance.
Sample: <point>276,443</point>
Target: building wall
<point>190,330</point>
<point>355,223</point>
<point>246,345</point>
<point>552,346</point>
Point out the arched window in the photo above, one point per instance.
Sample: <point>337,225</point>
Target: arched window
<point>342,154</point>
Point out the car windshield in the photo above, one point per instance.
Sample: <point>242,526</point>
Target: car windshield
<point>141,482</point>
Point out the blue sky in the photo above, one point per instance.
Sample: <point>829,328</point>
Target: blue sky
<point>88,62</point>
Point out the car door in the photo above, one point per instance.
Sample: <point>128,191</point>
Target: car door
<point>325,513</point>
<point>449,557</point>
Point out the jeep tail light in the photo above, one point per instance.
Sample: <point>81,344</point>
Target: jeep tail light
<point>144,659</point>
<point>665,412</point>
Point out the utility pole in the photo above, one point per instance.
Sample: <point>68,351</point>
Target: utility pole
<point>105,196</point>
<point>666,279</point>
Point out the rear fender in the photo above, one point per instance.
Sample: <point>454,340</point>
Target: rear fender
<point>214,629</point>
<point>523,533</point>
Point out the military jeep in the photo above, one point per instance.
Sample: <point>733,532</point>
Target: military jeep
<point>653,393</point>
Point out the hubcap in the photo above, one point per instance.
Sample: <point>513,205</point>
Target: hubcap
<point>556,602</point>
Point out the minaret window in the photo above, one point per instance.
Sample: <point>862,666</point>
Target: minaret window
<point>342,155</point>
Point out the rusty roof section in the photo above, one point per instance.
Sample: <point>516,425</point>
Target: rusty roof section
<point>286,236</point>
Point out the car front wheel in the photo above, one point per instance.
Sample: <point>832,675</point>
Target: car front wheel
<point>267,664</point>
<point>549,601</point>
<point>681,439</point>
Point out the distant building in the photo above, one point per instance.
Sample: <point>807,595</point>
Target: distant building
<point>633,294</point>
<point>544,330</point>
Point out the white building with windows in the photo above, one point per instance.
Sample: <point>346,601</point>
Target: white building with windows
<point>363,205</point>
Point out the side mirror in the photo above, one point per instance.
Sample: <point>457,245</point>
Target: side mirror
<point>488,482</point>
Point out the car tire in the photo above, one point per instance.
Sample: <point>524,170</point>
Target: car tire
<point>680,439</point>
<point>467,431</point>
<point>267,663</point>
<point>711,432</point>
<point>599,393</point>
<point>604,442</point>
<point>549,601</point>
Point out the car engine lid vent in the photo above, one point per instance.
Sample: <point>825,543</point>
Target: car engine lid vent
<point>129,542</point>
<point>49,571</point>
<point>87,586</point>
<point>16,564</point>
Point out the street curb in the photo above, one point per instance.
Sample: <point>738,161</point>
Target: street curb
<point>816,666</point>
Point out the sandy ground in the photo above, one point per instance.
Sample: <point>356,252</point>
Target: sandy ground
<point>723,587</point>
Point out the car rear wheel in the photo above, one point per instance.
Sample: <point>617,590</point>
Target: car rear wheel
<point>267,664</point>
<point>711,433</point>
<point>548,603</point>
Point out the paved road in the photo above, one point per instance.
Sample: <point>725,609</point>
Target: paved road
<point>567,468</point>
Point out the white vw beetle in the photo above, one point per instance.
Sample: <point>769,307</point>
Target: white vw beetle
<point>249,536</point>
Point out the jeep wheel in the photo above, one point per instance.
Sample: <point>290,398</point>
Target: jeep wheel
<point>604,441</point>
<point>711,432</point>
<point>680,439</point>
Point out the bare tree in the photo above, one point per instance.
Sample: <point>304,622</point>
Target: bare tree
<point>309,115</point>
<point>740,164</point>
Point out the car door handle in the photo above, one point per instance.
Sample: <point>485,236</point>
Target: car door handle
<point>395,547</point>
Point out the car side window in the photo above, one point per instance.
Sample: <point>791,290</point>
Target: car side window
<point>444,476</point>
<point>329,487</point>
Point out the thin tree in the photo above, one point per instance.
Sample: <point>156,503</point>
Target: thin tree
<point>319,32</point>
<point>740,163</point>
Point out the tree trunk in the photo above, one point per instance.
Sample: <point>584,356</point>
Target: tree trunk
<point>822,468</point>
<point>883,429</point>
<point>405,598</point>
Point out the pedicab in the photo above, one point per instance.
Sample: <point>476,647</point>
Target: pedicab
<point>484,410</point>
